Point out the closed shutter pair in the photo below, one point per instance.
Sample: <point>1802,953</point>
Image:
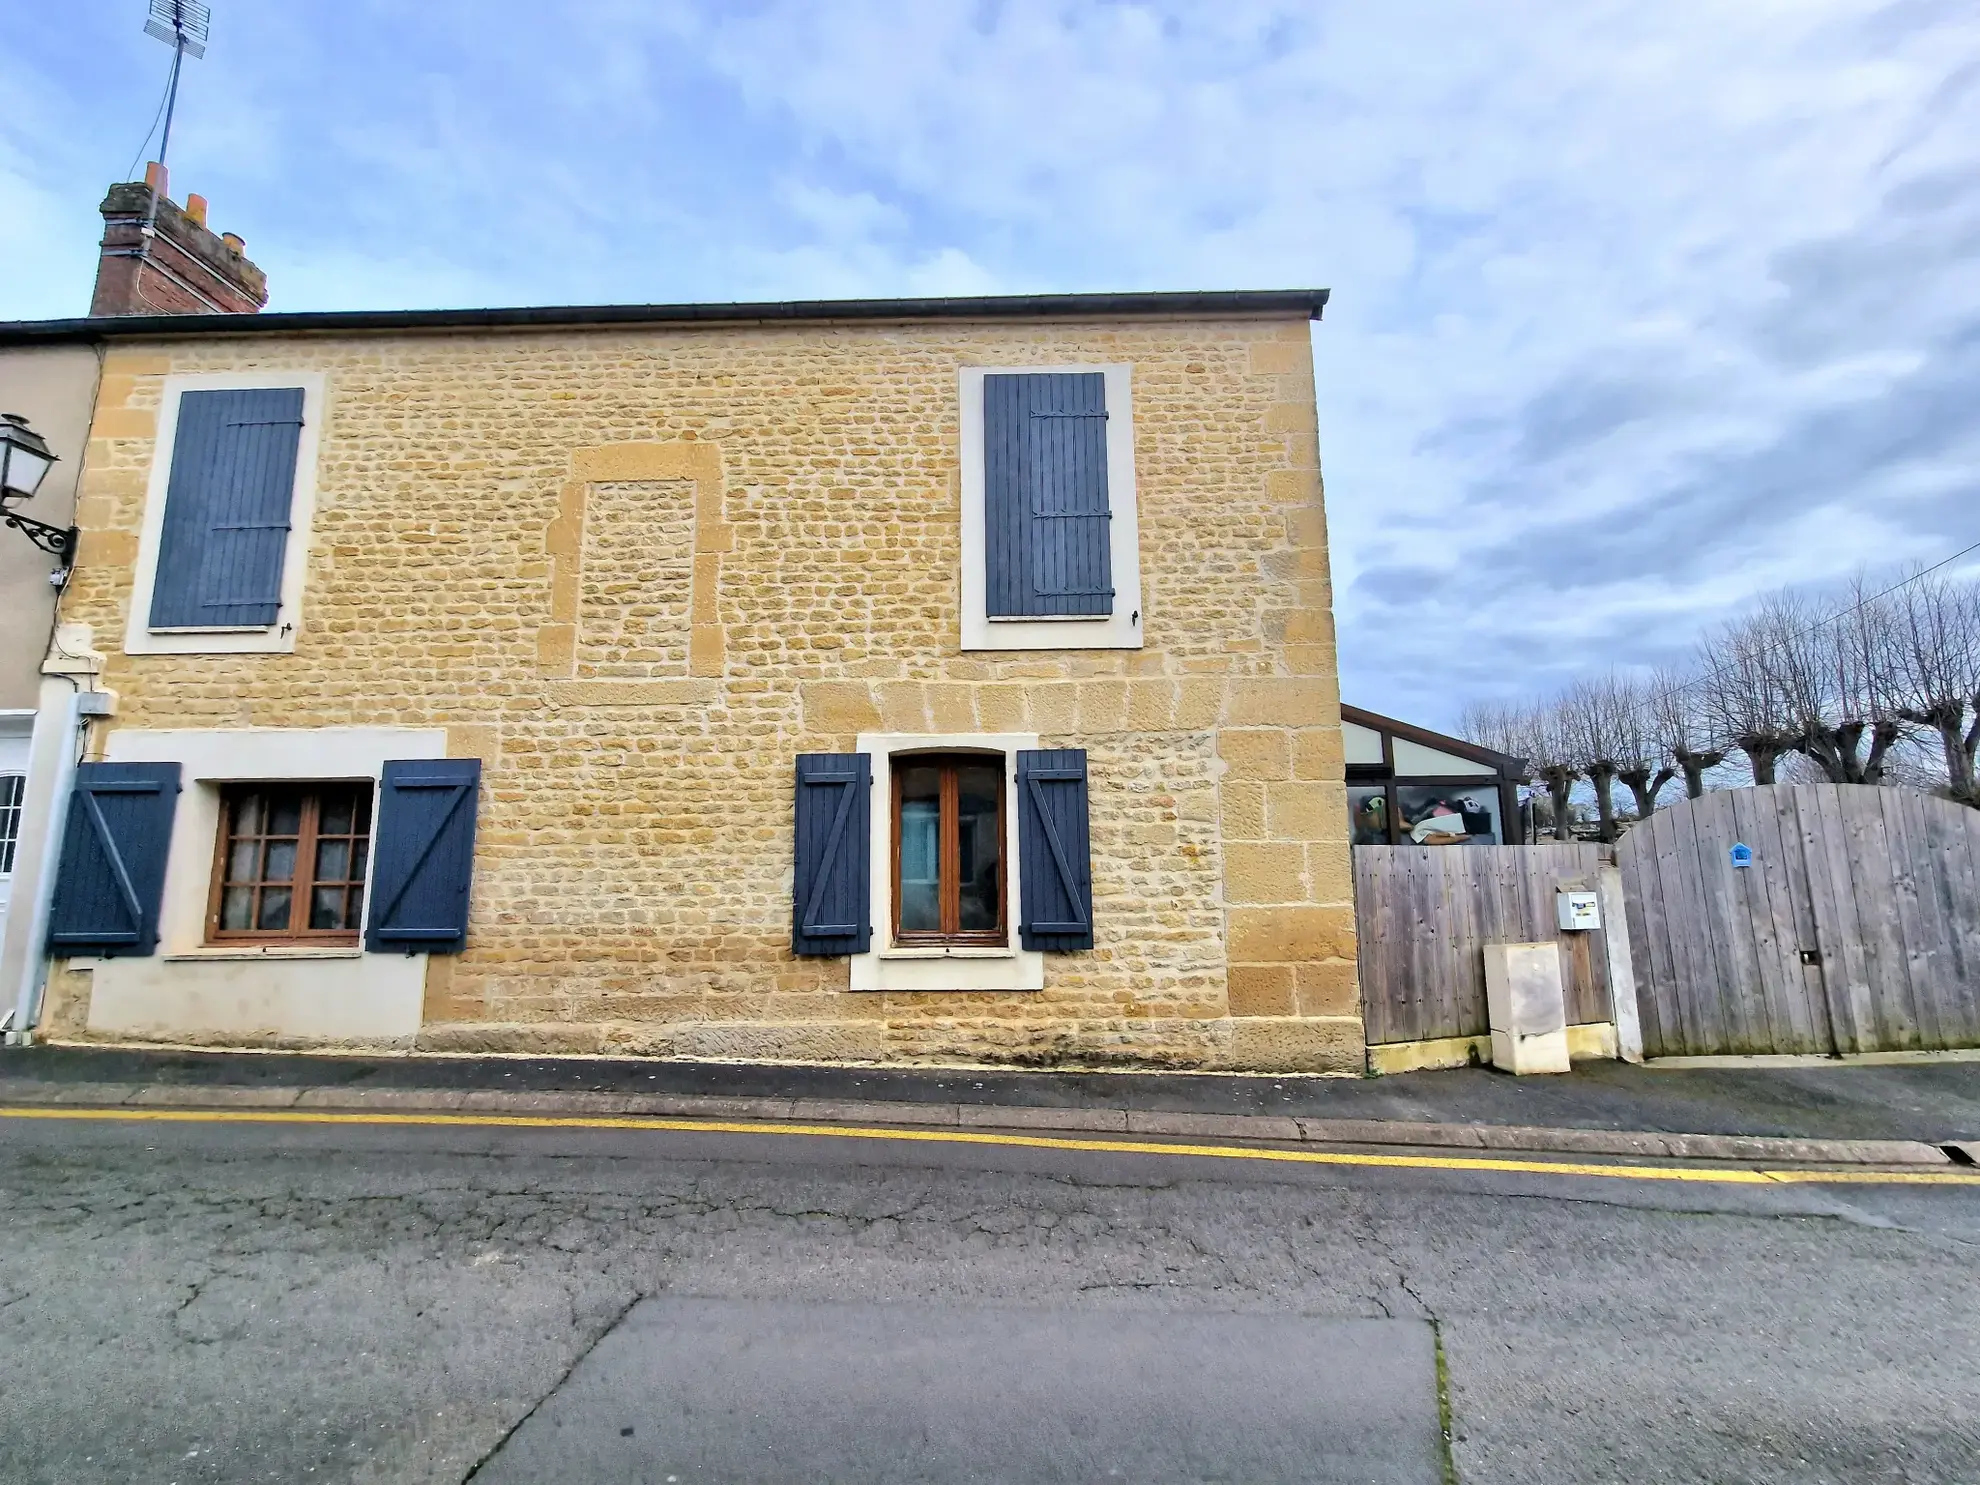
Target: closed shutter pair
<point>112,873</point>
<point>832,898</point>
<point>227,510</point>
<point>1047,520</point>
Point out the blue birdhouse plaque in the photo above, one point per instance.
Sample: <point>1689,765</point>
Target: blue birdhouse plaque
<point>1742,855</point>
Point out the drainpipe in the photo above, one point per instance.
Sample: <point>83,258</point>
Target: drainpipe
<point>52,755</point>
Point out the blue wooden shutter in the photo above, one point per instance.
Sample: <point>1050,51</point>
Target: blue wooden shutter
<point>1046,517</point>
<point>831,886</point>
<point>1054,851</point>
<point>227,507</point>
<point>112,872</point>
<point>422,857</point>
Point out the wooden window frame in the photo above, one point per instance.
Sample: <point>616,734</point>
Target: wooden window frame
<point>948,853</point>
<point>302,886</point>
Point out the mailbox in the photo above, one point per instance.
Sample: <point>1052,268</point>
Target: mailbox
<point>1579,911</point>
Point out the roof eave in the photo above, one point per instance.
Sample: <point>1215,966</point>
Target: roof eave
<point>1243,303</point>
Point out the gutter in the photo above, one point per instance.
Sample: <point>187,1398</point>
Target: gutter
<point>1260,303</point>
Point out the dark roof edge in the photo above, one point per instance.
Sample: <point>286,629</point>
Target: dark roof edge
<point>1505,763</point>
<point>1307,302</point>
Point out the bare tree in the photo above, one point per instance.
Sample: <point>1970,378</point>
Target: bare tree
<point>1555,757</point>
<point>1933,659</point>
<point>1643,762</point>
<point>1830,672</point>
<point>1591,718</point>
<point>1680,715</point>
<point>1742,693</point>
<point>1536,732</point>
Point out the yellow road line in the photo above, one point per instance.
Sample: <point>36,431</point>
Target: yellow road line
<point>1757,1176</point>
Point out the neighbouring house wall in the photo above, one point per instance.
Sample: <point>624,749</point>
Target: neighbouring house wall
<point>52,388</point>
<point>637,570</point>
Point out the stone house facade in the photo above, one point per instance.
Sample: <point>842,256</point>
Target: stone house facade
<point>890,681</point>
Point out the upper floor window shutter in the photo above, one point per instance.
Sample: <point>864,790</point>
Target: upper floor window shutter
<point>227,509</point>
<point>1054,850</point>
<point>831,885</point>
<point>112,872</point>
<point>422,860</point>
<point>1046,517</point>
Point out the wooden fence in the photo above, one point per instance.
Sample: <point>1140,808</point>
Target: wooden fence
<point>1424,913</point>
<point>1854,926</point>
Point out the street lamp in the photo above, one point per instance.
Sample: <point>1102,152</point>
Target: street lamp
<point>24,460</point>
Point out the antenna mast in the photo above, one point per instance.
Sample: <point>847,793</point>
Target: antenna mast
<point>181,25</point>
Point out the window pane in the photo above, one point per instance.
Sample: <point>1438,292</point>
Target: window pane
<point>332,856</point>
<point>921,903</point>
<point>326,908</point>
<point>335,817</point>
<point>356,908</point>
<point>921,839</point>
<point>280,865</point>
<point>248,815</point>
<point>243,860</point>
<point>357,861</point>
<point>274,909</point>
<point>1449,814</point>
<point>1368,815</point>
<point>978,787</point>
<point>237,908</point>
<point>285,815</point>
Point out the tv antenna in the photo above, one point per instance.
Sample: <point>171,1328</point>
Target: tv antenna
<point>181,25</point>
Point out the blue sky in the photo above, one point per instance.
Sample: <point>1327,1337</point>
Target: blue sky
<point>1639,309</point>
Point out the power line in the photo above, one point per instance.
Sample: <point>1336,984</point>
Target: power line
<point>1823,623</point>
<point>1653,698</point>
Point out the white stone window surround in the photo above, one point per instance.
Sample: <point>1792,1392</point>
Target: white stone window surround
<point>278,638</point>
<point>1120,630</point>
<point>936,967</point>
<point>302,993</point>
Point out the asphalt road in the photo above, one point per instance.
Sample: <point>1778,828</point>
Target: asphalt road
<point>240,1301</point>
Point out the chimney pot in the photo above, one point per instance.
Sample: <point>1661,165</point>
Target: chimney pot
<point>235,241</point>
<point>196,207</point>
<point>154,176</point>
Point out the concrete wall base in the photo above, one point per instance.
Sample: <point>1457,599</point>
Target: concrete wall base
<point>1594,1041</point>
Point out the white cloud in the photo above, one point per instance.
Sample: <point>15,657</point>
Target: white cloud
<point>1637,308</point>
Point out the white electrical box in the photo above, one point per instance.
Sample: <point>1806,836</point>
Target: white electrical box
<point>1578,911</point>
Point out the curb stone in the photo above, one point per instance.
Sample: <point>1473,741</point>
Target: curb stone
<point>1276,1129</point>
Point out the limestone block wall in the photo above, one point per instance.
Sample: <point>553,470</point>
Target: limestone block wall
<point>636,570</point>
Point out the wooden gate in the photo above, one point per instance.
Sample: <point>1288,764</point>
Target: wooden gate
<point>1423,914</point>
<point>1855,927</point>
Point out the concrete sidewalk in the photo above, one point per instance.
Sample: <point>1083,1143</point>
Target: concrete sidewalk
<point>1908,1113</point>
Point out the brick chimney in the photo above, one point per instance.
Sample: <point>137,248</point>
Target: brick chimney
<point>159,259</point>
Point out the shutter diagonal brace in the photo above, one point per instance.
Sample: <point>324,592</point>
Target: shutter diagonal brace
<point>1078,924</point>
<point>124,885</point>
<point>849,786</point>
<point>384,909</point>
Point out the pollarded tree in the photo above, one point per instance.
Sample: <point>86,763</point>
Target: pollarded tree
<point>1535,731</point>
<point>1933,664</point>
<point>1742,694</point>
<point>1680,716</point>
<point>1591,717</point>
<point>1829,665</point>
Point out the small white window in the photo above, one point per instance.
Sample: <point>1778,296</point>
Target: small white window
<point>227,515</point>
<point>13,792</point>
<point>1050,544</point>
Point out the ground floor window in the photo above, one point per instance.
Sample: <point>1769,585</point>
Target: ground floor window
<point>949,849</point>
<point>290,863</point>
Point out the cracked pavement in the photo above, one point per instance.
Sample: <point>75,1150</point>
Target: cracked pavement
<point>235,1302</point>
